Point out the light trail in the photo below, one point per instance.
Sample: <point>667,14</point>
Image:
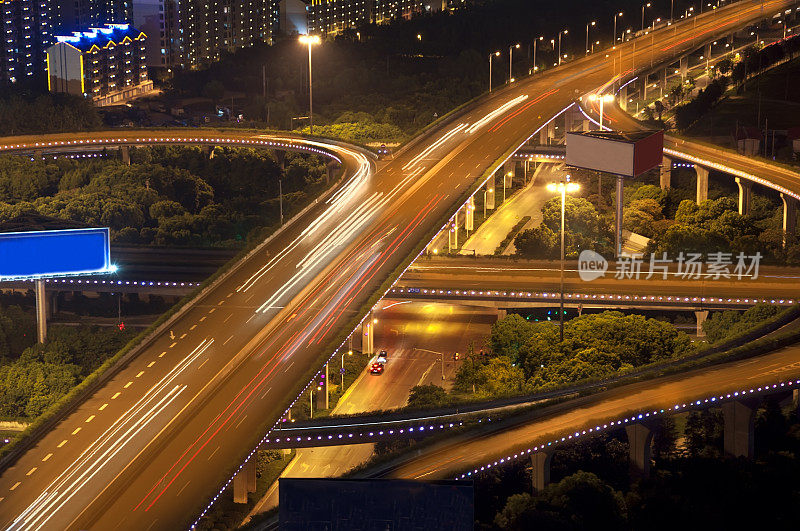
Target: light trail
<point>447,136</point>
<point>495,113</point>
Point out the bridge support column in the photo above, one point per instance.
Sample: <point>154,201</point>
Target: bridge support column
<point>452,235</point>
<point>543,135</point>
<point>702,183</point>
<point>330,171</point>
<point>640,438</point>
<point>489,201</point>
<point>644,88</point>
<point>618,220</point>
<point>789,217</point>
<point>469,215</point>
<point>745,193</point>
<point>623,98</point>
<point>707,51</point>
<point>245,481</point>
<point>684,68</point>
<point>368,335</point>
<point>738,431</point>
<point>701,316</point>
<point>502,313</point>
<point>125,154</point>
<point>665,179</point>
<point>280,157</point>
<point>41,311</point>
<point>540,470</point>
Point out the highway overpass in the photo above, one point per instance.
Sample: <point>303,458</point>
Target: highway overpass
<point>166,429</point>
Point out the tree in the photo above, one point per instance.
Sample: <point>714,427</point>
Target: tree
<point>426,396</point>
<point>214,90</point>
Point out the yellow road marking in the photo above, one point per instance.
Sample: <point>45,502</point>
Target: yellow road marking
<point>212,310</point>
<point>101,408</point>
<point>193,327</point>
<point>31,471</point>
<point>127,385</point>
<point>115,396</point>
<point>162,354</point>
<point>62,443</point>
<point>151,364</point>
<point>202,318</point>
<point>91,418</point>
<point>17,484</point>
<point>182,336</point>
<point>76,431</point>
<point>172,345</point>
<point>48,456</point>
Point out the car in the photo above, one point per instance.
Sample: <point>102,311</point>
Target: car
<point>382,355</point>
<point>376,368</point>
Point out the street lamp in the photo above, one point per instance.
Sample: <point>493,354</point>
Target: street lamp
<point>615,25</point>
<point>643,7</point>
<point>511,62</point>
<point>488,190</point>
<point>587,34</point>
<point>495,54</point>
<point>562,188</point>
<point>560,33</point>
<point>601,98</point>
<point>535,68</point>
<point>310,40</point>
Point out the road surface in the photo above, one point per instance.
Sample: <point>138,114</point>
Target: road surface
<point>152,446</point>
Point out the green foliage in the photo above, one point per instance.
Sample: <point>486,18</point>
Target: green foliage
<point>527,356</point>
<point>729,323</point>
<point>46,113</point>
<point>584,229</point>
<point>33,379</point>
<point>423,396</point>
<point>167,196</point>
<point>579,501</point>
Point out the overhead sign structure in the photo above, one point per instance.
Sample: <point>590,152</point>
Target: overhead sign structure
<point>55,253</point>
<point>629,154</point>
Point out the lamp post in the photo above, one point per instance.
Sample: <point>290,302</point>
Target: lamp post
<point>535,68</point>
<point>511,62</point>
<point>495,54</point>
<point>671,10</point>
<point>310,40</point>
<point>587,34</point>
<point>562,188</point>
<point>560,33</point>
<point>643,8</point>
<point>615,26</point>
<point>601,98</point>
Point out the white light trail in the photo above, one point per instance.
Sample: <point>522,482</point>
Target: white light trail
<point>495,113</point>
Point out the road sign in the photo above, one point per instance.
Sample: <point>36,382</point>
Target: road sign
<point>54,253</point>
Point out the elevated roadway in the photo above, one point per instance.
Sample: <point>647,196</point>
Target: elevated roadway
<point>165,431</point>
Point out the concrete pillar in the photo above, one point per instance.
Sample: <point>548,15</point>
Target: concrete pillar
<point>707,51</point>
<point>41,311</point>
<point>684,68</point>
<point>618,220</point>
<point>701,316</point>
<point>702,183</point>
<point>644,88</point>
<point>502,313</point>
<point>280,157</point>
<point>490,191</point>
<point>509,169</point>
<point>330,171</point>
<point>789,217</point>
<point>745,192</point>
<point>551,131</point>
<point>125,155</point>
<point>623,98</point>
<point>738,432</point>
<point>640,438</point>
<point>368,335</point>
<point>540,473</point>
<point>469,217</point>
<point>543,136</point>
<point>53,306</point>
<point>244,481</point>
<point>666,173</point>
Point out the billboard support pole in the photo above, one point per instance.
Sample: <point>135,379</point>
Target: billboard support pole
<point>41,311</point>
<point>618,228</point>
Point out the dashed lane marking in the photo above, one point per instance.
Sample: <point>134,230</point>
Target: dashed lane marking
<point>76,431</point>
<point>115,395</point>
<point>193,327</point>
<point>212,310</point>
<point>45,458</point>
<point>91,418</point>
<point>140,374</point>
<point>15,485</point>
<point>172,345</point>
<point>162,354</point>
<point>127,385</point>
<point>101,408</point>
<point>31,471</point>
<point>226,341</point>
<point>203,318</point>
<point>151,364</point>
<point>62,443</point>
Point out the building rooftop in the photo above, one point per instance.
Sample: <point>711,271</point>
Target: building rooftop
<point>619,136</point>
<point>110,34</point>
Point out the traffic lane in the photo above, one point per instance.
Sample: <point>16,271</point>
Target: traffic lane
<point>225,453</point>
<point>446,460</point>
<point>192,323</point>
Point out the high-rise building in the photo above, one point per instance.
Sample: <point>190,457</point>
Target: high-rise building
<point>185,33</point>
<point>77,15</point>
<point>26,28</point>
<point>333,16</point>
<point>105,63</point>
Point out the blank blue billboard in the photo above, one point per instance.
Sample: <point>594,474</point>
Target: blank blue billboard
<point>54,253</point>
